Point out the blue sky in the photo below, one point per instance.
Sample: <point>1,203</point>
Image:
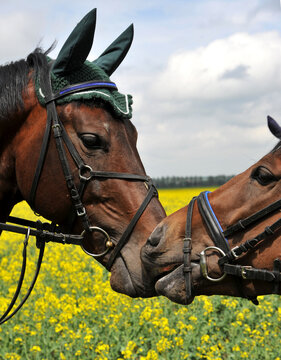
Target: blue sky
<point>204,74</point>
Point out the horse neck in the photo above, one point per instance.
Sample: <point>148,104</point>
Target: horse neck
<point>9,132</point>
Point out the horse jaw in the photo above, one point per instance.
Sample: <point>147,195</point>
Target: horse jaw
<point>129,277</point>
<point>121,280</point>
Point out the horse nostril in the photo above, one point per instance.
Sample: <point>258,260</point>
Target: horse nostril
<point>153,241</point>
<point>155,237</point>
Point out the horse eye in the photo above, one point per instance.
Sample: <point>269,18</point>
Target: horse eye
<point>91,141</point>
<point>263,176</point>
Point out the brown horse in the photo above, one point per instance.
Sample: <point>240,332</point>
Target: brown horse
<point>227,242</point>
<point>87,178</point>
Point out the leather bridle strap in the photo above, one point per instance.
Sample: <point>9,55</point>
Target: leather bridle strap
<point>126,234</point>
<point>187,247</point>
<point>248,245</point>
<point>214,228</point>
<point>229,256</point>
<point>72,188</point>
<point>40,162</point>
<point>244,223</point>
<point>48,232</point>
<point>8,314</point>
<point>211,221</point>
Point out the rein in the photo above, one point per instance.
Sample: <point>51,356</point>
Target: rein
<point>46,232</point>
<point>228,256</point>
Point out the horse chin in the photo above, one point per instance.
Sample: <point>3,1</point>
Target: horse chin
<point>172,286</point>
<point>121,280</point>
<point>125,281</point>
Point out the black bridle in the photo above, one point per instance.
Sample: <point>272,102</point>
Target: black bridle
<point>229,256</point>
<point>52,232</point>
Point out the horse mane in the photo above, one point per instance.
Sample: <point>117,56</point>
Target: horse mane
<point>14,78</point>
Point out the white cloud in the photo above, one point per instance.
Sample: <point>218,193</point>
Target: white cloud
<point>20,33</point>
<point>208,106</point>
<point>205,73</point>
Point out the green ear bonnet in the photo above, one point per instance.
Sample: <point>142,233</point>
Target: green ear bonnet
<point>71,68</point>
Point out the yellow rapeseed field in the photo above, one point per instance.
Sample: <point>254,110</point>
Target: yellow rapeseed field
<point>73,313</point>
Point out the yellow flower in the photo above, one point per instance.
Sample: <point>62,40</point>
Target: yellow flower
<point>130,349</point>
<point>59,328</point>
<point>179,341</point>
<point>163,344</point>
<point>102,348</point>
<point>12,356</point>
<point>18,340</point>
<point>236,348</point>
<point>151,355</point>
<point>35,348</point>
<point>205,338</point>
<point>240,316</point>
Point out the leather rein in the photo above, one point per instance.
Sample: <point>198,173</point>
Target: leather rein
<point>229,256</point>
<point>51,232</point>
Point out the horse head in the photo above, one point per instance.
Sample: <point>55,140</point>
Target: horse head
<point>227,242</point>
<point>68,148</point>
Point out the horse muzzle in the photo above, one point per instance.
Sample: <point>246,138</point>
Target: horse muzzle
<point>173,285</point>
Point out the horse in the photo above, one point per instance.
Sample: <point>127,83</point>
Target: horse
<point>225,242</point>
<point>68,148</point>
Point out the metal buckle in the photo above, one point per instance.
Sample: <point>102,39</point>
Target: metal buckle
<point>203,264</point>
<point>81,211</point>
<point>56,126</point>
<point>63,238</point>
<point>243,271</point>
<point>27,236</point>
<point>186,245</point>
<point>233,252</point>
<point>108,242</point>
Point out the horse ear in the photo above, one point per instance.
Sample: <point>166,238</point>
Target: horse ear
<point>77,46</point>
<point>274,127</point>
<point>112,57</point>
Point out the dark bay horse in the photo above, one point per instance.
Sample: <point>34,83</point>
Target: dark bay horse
<point>227,242</point>
<point>68,148</point>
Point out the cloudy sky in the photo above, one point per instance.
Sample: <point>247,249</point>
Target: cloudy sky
<point>204,73</point>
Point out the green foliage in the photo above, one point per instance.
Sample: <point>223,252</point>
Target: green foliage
<point>172,182</point>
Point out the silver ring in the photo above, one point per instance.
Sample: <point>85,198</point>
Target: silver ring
<point>88,169</point>
<point>203,264</point>
<point>108,242</point>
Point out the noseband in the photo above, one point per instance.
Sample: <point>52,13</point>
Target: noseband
<point>229,256</point>
<point>52,232</point>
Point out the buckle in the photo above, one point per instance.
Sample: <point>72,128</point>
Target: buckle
<point>244,271</point>
<point>81,211</point>
<point>233,252</point>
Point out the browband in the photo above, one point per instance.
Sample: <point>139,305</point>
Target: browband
<point>74,89</point>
